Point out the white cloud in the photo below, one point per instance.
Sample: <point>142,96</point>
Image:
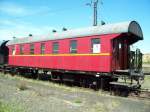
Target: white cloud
<point>6,23</point>
<point>17,27</point>
<point>14,26</point>
<point>12,8</point>
<point>8,29</point>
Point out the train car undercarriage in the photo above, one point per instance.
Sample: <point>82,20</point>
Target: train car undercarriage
<point>96,81</point>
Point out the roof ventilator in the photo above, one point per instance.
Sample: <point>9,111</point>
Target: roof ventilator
<point>54,31</point>
<point>64,29</point>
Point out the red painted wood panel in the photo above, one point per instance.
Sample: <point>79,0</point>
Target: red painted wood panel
<point>82,63</point>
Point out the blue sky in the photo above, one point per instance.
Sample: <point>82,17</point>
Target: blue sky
<point>21,17</point>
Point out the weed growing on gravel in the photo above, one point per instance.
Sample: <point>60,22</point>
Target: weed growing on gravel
<point>4,107</point>
<point>146,84</point>
<point>98,107</point>
<point>78,101</point>
<point>22,85</point>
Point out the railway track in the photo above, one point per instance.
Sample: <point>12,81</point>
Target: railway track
<point>133,93</point>
<point>140,94</point>
<point>146,73</point>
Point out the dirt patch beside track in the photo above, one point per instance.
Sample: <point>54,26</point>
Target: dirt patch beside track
<point>39,96</point>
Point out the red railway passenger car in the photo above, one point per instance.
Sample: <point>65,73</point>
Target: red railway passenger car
<point>96,51</point>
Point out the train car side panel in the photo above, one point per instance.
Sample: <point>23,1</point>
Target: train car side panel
<point>83,60</point>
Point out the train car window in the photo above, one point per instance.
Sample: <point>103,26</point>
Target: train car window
<point>73,46</point>
<point>42,48</point>
<point>120,45</point>
<point>31,48</point>
<point>21,49</point>
<point>13,50</point>
<point>95,45</point>
<point>55,47</point>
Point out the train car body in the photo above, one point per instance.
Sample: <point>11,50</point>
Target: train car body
<point>83,60</point>
<point>96,50</point>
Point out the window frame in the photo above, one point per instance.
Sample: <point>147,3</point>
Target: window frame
<point>73,50</point>
<point>55,51</point>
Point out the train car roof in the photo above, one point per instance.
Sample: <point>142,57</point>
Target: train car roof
<point>124,27</point>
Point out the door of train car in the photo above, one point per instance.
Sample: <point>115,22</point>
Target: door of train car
<point>120,50</point>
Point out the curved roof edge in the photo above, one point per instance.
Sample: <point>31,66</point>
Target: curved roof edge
<point>2,43</point>
<point>123,27</point>
<point>135,29</point>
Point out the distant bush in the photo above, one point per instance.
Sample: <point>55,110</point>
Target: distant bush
<point>146,58</point>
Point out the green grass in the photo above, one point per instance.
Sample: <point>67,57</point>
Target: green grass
<point>146,83</point>
<point>5,107</point>
<point>146,62</point>
<point>97,107</point>
<point>23,83</point>
<point>78,101</point>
